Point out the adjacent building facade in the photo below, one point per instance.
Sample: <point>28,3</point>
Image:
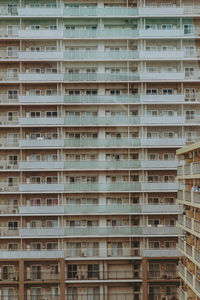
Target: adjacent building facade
<point>189,222</point>
<point>95,98</point>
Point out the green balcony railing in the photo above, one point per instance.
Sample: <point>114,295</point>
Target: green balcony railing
<point>102,99</point>
<point>101,209</point>
<point>102,164</point>
<point>101,33</point>
<point>95,11</point>
<point>98,55</point>
<point>126,120</point>
<point>103,231</point>
<point>102,77</point>
<point>103,187</point>
<point>101,143</point>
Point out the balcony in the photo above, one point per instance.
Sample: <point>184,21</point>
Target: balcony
<point>44,210</point>
<point>166,142</point>
<point>121,231</point>
<point>159,186</point>
<point>41,55</point>
<point>9,33</point>
<point>157,76</point>
<point>41,121</point>
<point>42,11</point>
<point>41,276</point>
<point>6,165</point>
<point>10,276</point>
<point>161,230</point>
<point>103,187</point>
<point>101,55</point>
<point>5,98</point>
<point>97,11</point>
<point>100,231</point>
<point>40,34</point>
<point>162,98</point>
<point>41,99</point>
<point>29,254</point>
<point>102,143</point>
<point>168,252</point>
<point>160,33</point>
<point>9,188</point>
<point>41,142</point>
<point>101,121</point>
<point>176,120</point>
<point>41,232</point>
<point>161,11</point>
<point>53,77</point>
<point>103,275</point>
<point>104,33</point>
<point>93,253</point>
<point>102,77</point>
<point>102,99</point>
<point>163,55</point>
<point>163,275</point>
<point>43,165</point>
<point>43,187</point>
<point>159,164</point>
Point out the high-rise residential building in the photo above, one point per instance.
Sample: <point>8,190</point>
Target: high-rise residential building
<point>95,98</point>
<point>189,222</point>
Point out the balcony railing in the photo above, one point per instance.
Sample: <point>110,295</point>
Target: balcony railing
<point>101,275</point>
<point>102,77</point>
<point>100,33</point>
<point>102,252</point>
<point>10,276</point>
<point>163,275</point>
<point>41,276</point>
<point>102,99</point>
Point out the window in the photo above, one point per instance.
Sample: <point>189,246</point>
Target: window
<point>35,157</point>
<point>169,200</point>
<point>35,201</point>
<point>190,114</point>
<point>8,274</point>
<point>170,244</point>
<point>168,156</point>
<point>169,178</point>
<point>35,114</point>
<point>151,91</point>
<point>36,224</point>
<point>35,70</point>
<point>12,246</point>
<point>51,70</point>
<point>12,73</point>
<point>153,178</point>
<point>52,246</point>
<point>72,272</point>
<point>36,273</point>
<point>190,94</point>
<point>35,92</point>
<point>189,71</point>
<point>151,48</point>
<point>51,114</point>
<point>12,51</point>
<point>72,292</point>
<point>51,92</point>
<point>151,69</point>
<point>167,91</point>
<point>12,159</point>
<point>36,179</point>
<point>12,225</point>
<point>34,27</point>
<point>12,181</point>
<point>52,201</point>
<point>51,157</point>
<point>52,27</point>
<point>12,115</point>
<point>36,246</point>
<point>188,28</point>
<point>35,49</point>
<point>93,271</point>
<point>150,26</point>
<point>51,179</point>
<point>166,26</point>
<point>12,94</point>
<point>189,50</point>
<point>154,244</point>
<point>51,223</point>
<point>153,200</point>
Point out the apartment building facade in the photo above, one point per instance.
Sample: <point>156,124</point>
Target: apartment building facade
<point>95,98</point>
<point>189,222</point>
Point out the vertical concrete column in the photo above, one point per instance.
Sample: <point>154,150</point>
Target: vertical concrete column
<point>62,279</point>
<point>21,279</point>
<point>144,277</point>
